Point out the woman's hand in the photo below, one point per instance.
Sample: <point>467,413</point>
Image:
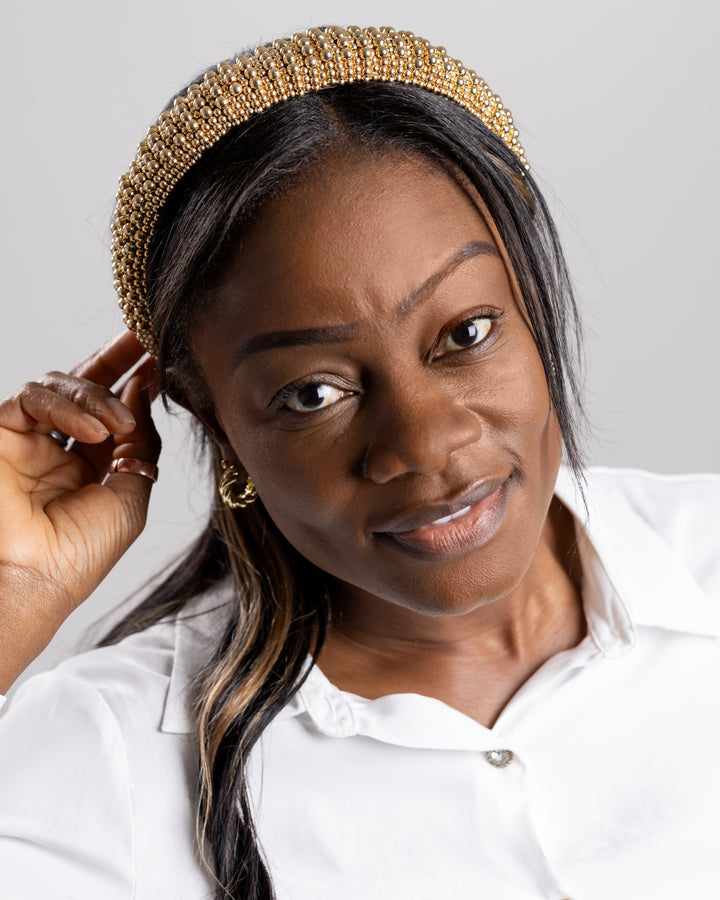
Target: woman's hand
<point>63,523</point>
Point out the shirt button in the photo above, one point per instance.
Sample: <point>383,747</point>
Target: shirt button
<point>499,758</point>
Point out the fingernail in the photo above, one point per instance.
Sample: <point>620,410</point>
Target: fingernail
<point>120,411</point>
<point>95,424</point>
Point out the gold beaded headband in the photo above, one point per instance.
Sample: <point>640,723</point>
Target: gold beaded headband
<point>229,94</point>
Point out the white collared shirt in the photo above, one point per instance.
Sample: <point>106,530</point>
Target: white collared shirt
<point>600,779</point>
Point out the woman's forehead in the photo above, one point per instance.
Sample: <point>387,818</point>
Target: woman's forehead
<point>363,214</point>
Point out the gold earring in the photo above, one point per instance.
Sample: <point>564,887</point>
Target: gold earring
<point>230,496</point>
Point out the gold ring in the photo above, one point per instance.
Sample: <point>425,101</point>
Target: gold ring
<point>131,466</point>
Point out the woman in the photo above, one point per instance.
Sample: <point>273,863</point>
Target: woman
<point>417,660</point>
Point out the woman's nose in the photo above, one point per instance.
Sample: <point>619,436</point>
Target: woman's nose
<point>418,435</point>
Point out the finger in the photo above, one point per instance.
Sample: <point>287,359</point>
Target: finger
<point>36,407</point>
<point>142,443</point>
<point>148,371</point>
<point>92,398</point>
<point>100,455</point>
<point>107,365</point>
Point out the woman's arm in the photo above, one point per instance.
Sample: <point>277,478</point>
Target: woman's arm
<point>64,522</point>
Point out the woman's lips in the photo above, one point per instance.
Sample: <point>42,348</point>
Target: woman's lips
<point>451,530</point>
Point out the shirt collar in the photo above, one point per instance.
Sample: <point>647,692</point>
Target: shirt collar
<point>197,630</point>
<point>637,577</point>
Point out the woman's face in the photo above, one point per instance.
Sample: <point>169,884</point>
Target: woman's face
<point>373,372</point>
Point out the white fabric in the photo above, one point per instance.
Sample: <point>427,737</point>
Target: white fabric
<point>614,791</point>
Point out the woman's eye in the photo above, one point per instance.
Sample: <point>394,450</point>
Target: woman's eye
<point>309,397</point>
<point>466,334</point>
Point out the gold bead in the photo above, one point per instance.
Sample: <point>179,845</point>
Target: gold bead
<point>234,91</point>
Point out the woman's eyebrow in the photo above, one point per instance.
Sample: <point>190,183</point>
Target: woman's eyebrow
<point>426,289</point>
<point>331,334</point>
<point>328,334</point>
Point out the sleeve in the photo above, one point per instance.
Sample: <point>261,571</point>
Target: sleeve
<point>65,811</point>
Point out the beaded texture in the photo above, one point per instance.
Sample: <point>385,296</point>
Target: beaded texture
<point>234,91</point>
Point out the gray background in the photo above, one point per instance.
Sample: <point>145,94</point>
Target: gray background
<point>616,104</point>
